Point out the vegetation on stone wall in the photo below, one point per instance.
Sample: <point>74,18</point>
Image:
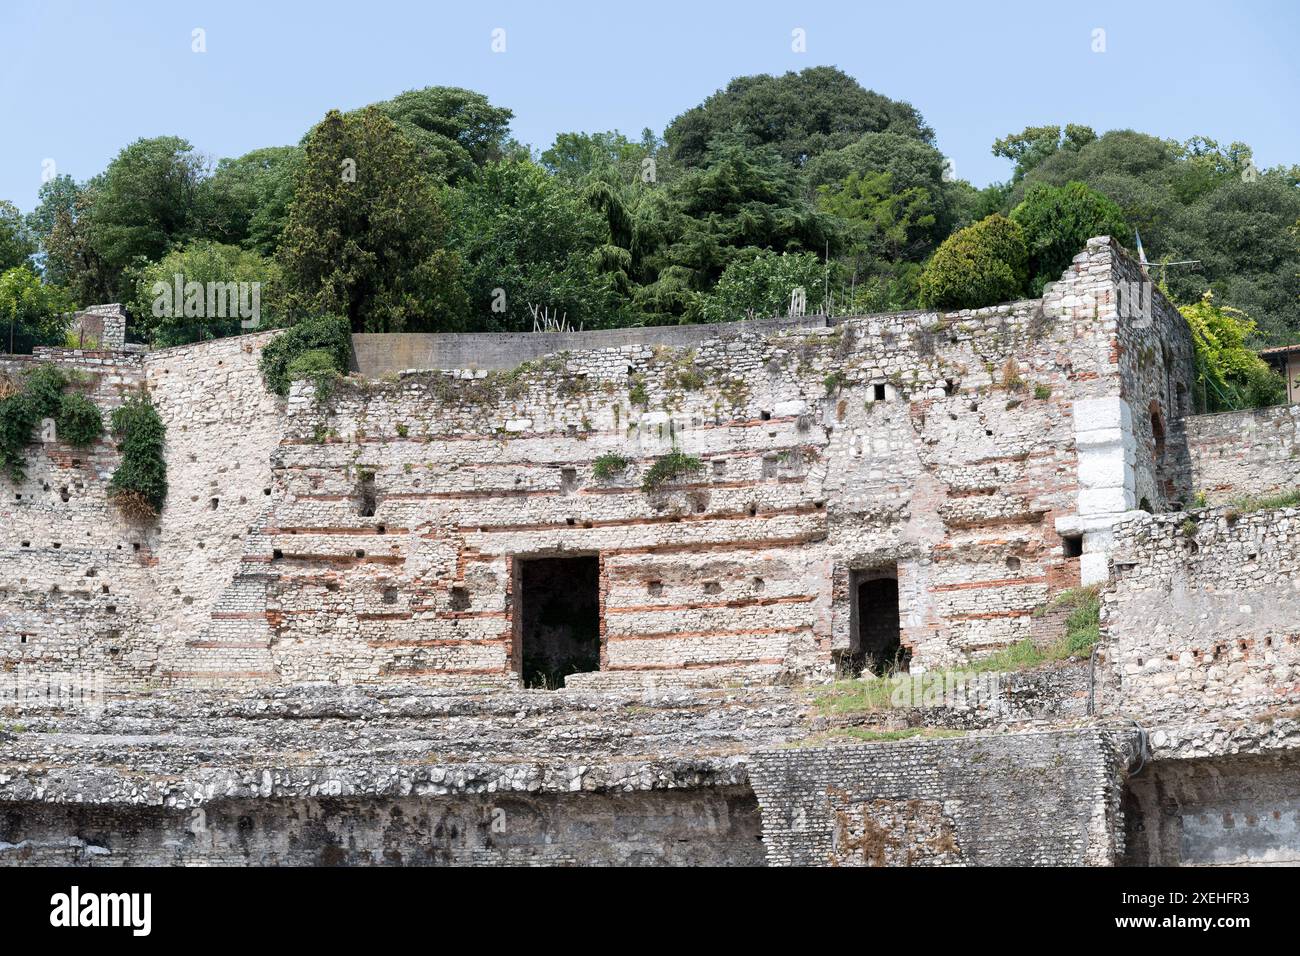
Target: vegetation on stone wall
<point>610,465</point>
<point>676,464</point>
<point>310,349</point>
<point>41,393</point>
<point>139,485</point>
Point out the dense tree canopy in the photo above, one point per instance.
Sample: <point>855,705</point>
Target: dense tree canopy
<point>421,212</point>
<point>454,131</point>
<point>168,319</point>
<point>800,115</point>
<point>246,200</point>
<point>1058,222</point>
<point>16,242</point>
<point>530,242</point>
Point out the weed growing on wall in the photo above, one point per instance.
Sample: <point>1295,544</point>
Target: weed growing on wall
<point>609,465</point>
<point>674,465</point>
<point>139,486</point>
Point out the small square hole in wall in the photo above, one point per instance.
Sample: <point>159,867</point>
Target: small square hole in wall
<point>765,416</point>
<point>459,599</point>
<point>712,587</point>
<point>389,595</point>
<point>1072,545</point>
<point>878,392</point>
<point>214,503</point>
<point>655,588</point>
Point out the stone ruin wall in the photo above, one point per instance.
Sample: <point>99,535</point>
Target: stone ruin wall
<point>1201,622</point>
<point>263,567</point>
<point>84,590</point>
<point>1255,452</point>
<point>1037,799</point>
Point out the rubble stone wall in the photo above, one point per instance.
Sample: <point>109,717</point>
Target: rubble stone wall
<point>1202,618</point>
<point>1030,799</point>
<point>1252,452</point>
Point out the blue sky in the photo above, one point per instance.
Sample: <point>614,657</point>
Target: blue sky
<point>81,80</point>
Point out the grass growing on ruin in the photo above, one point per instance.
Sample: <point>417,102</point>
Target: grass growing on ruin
<point>610,465</point>
<point>1082,631</point>
<point>860,695</point>
<point>1252,503</point>
<point>676,464</point>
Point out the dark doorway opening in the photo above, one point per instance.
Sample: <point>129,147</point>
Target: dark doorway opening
<point>559,618</point>
<point>877,645</point>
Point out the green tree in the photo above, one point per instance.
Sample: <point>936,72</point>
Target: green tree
<point>143,203</point>
<point>16,243</point>
<point>164,320</point>
<point>1058,222</point>
<point>31,312</point>
<point>980,265</point>
<point>800,115</point>
<point>1030,147</point>
<point>454,131</point>
<point>246,200</point>
<point>761,286</point>
<point>744,201</point>
<point>530,240</point>
<point>366,230</point>
<point>1229,374</point>
<point>1199,201</point>
<point>882,224</point>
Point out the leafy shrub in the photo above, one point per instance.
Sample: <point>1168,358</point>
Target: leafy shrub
<point>79,421</point>
<point>327,334</point>
<point>139,486</point>
<point>761,285</point>
<point>1229,374</point>
<point>316,366</point>
<point>608,465</point>
<point>672,466</point>
<point>983,264</point>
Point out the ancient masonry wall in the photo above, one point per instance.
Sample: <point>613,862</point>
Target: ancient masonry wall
<point>706,826</point>
<point>84,590</point>
<point>1253,452</point>
<point>1037,799</point>
<point>1202,619</point>
<point>372,534</point>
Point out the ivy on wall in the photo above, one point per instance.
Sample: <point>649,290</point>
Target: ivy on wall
<point>42,393</point>
<point>139,485</point>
